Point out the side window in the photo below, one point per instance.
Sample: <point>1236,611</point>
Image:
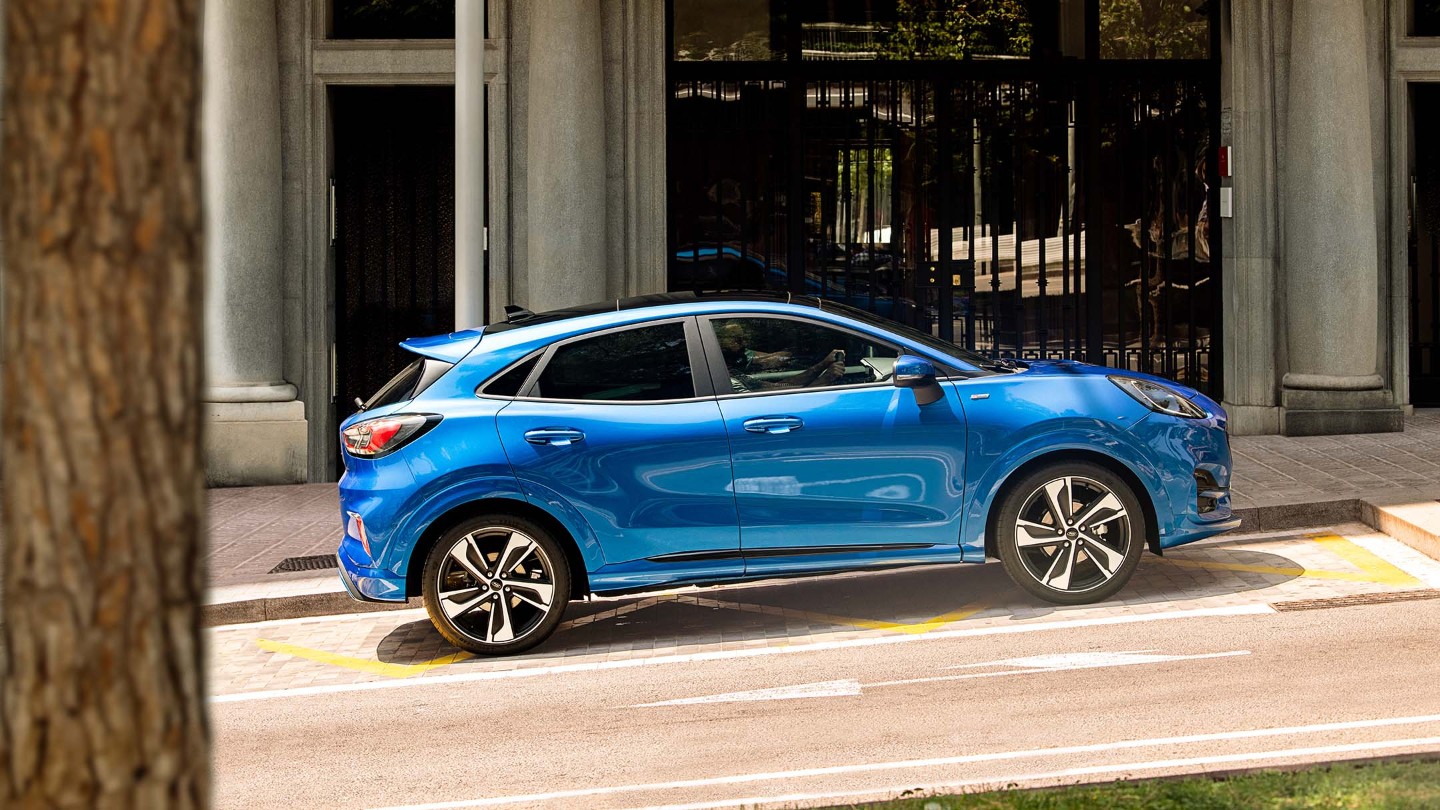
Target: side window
<point>649,363</point>
<point>766,354</point>
<point>508,384</point>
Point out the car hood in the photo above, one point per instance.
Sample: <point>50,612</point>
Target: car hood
<point>1056,368</point>
<point>450,348</point>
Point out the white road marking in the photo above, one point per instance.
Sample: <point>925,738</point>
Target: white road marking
<point>1069,775</point>
<point>721,655</point>
<point>804,690</point>
<point>1059,663</point>
<point>1031,665</point>
<point>968,759</point>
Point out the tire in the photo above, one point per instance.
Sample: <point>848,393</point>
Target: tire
<point>496,612</point>
<point>1100,550</point>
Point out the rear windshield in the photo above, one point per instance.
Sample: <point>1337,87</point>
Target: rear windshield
<point>408,384</point>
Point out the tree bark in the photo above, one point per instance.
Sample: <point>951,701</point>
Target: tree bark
<point>103,689</point>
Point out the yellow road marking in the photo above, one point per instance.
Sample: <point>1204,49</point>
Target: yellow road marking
<point>361,664</point>
<point>1377,567</point>
<point>1372,567</point>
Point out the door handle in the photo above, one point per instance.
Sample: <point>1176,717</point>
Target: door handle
<point>773,424</point>
<point>555,437</point>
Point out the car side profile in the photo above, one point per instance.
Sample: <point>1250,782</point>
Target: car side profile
<point>699,439</point>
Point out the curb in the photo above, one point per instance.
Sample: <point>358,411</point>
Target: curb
<point>1414,524</point>
<point>297,606</point>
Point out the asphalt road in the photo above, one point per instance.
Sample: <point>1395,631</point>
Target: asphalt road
<point>824,722</point>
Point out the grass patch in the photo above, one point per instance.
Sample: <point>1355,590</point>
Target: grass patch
<point>1375,786</point>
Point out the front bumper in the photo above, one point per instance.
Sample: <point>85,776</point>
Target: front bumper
<point>367,584</point>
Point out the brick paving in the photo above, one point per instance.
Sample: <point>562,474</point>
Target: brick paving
<point>254,528</point>
<point>1228,571</point>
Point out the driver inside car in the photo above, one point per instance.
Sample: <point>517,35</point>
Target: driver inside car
<point>743,362</point>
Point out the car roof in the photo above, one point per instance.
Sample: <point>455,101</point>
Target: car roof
<point>524,318</point>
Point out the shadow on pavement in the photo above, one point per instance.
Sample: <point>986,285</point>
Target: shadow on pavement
<point>898,600</point>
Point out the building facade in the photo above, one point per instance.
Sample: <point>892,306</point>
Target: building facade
<point>1241,195</point>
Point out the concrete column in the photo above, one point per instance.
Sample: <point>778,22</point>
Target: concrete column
<point>1331,258</point>
<point>565,155</point>
<point>1253,325</point>
<point>470,176</point>
<point>257,429</point>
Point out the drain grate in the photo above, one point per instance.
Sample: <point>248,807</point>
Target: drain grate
<point>1356,599</point>
<point>319,562</point>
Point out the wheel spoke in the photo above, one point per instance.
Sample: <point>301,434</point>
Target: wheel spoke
<point>517,549</point>
<point>1109,501</point>
<point>461,555</point>
<point>1058,577</point>
<point>455,609</point>
<point>1058,497</point>
<point>543,592</point>
<point>500,630</point>
<point>1036,534</point>
<point>1107,559</point>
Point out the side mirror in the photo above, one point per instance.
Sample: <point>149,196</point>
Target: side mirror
<point>918,374</point>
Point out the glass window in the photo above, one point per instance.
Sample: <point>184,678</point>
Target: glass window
<point>508,384</point>
<point>767,354</point>
<point>914,29</point>
<point>1154,29</point>
<point>728,30</point>
<point>1427,18</point>
<point>393,19</point>
<point>648,363</point>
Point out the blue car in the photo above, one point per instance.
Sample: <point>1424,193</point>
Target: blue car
<point>685,439</point>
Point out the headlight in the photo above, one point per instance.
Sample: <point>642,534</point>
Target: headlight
<point>1158,398</point>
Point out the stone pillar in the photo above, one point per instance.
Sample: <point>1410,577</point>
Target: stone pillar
<point>256,433</point>
<point>565,156</point>
<point>1331,258</point>
<point>470,172</point>
<point>1252,235</point>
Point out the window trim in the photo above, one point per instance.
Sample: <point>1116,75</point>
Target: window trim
<point>699,370</point>
<point>720,373</point>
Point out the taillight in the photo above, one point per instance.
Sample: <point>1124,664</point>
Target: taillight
<point>386,434</point>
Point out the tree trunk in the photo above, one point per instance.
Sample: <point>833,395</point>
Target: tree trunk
<point>103,690</point>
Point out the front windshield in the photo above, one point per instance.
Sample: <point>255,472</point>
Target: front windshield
<point>914,335</point>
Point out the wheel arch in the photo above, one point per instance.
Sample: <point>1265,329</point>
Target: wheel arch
<point>579,575</point>
<point>1120,468</point>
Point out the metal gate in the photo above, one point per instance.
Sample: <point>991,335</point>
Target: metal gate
<point>1023,208</point>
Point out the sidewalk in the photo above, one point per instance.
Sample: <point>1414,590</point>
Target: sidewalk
<point>1279,483</point>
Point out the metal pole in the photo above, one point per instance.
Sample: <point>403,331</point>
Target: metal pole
<point>470,179</point>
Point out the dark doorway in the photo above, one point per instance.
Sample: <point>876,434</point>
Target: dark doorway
<point>1425,247</point>
<point>394,229</point>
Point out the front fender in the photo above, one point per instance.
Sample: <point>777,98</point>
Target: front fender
<point>1014,421</point>
<point>1101,440</point>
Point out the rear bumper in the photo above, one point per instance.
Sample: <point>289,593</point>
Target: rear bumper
<point>367,584</point>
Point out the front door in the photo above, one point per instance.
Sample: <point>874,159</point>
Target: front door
<point>1425,248</point>
<point>612,428</point>
<point>833,465</point>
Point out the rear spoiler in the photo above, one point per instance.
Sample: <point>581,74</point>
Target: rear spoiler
<point>450,348</point>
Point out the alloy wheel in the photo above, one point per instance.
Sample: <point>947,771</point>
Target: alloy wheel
<point>1073,534</point>
<point>496,585</point>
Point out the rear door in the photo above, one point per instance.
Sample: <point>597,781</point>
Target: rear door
<point>613,424</point>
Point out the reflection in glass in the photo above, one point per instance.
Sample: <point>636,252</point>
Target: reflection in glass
<point>914,29</point>
<point>393,19</point>
<point>728,31</point>
<point>1154,29</point>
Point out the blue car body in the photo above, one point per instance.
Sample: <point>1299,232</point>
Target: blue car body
<point>680,491</point>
